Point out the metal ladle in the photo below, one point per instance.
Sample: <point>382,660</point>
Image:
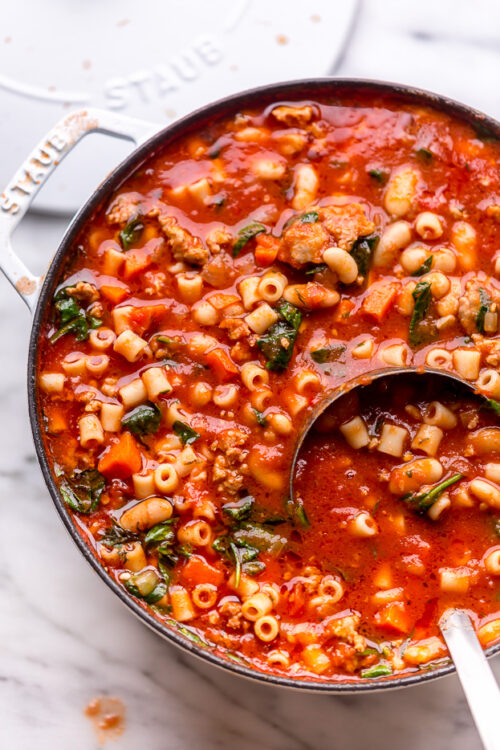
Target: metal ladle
<point>475,675</point>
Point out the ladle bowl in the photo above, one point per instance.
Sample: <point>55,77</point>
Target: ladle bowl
<point>366,380</point>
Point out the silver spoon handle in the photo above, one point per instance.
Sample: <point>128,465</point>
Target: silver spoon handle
<point>475,675</point>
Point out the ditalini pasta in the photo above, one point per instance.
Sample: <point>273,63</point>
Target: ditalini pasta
<point>234,279</point>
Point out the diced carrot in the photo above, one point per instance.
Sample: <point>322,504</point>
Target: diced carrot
<point>394,616</point>
<point>198,570</point>
<point>379,300</point>
<point>266,249</point>
<point>114,294</point>
<point>122,459</point>
<point>343,310</point>
<point>221,364</point>
<point>57,420</point>
<point>220,300</point>
<point>137,260</point>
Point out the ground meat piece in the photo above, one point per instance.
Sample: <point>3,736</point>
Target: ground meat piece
<point>219,271</point>
<point>229,480</point>
<point>298,116</point>
<point>346,223</point>
<point>184,246</point>
<point>155,283</point>
<point>229,439</point>
<point>230,611</point>
<point>83,291</point>
<point>241,352</point>
<point>303,243</point>
<point>470,303</point>
<point>219,239</point>
<point>124,207</point>
<point>345,628</point>
<point>236,328</point>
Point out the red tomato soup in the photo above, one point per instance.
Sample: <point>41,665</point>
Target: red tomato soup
<point>232,281</point>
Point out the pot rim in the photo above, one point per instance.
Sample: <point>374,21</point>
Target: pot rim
<point>304,89</point>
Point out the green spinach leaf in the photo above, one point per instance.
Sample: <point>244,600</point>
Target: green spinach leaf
<point>425,155</point>
<point>425,267</point>
<point>490,403</point>
<point>131,233</point>
<point>421,502</point>
<point>260,417</point>
<point>310,217</point>
<point>245,235</point>
<point>379,670</point>
<point>73,318</point>
<point>185,432</point>
<point>240,509</point>
<point>296,512</point>
<point>143,420</point>
<point>115,536</point>
<point>484,305</point>
<point>331,353</point>
<point>362,252</point>
<point>146,585</point>
<point>422,296</point>
<point>318,268</point>
<point>278,342</point>
<point>83,491</point>
<point>379,175</point>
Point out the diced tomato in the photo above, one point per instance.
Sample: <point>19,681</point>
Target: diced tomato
<point>221,364</point>
<point>137,260</point>
<point>122,459</point>
<point>220,300</point>
<point>343,310</point>
<point>379,300</point>
<point>198,570</point>
<point>114,294</point>
<point>394,616</point>
<point>266,249</point>
<point>142,318</point>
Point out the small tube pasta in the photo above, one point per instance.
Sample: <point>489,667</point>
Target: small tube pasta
<point>355,432</point>
<point>156,382</point>
<point>145,514</point>
<point>392,440</point>
<point>111,417</point>
<point>52,382</point>
<point>262,318</point>
<point>91,432</point>
<point>427,439</point>
<point>130,345</point>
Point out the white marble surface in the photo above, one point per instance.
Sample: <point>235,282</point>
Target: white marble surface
<point>64,638</point>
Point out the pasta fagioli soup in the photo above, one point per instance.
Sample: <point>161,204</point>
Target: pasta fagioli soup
<point>233,280</point>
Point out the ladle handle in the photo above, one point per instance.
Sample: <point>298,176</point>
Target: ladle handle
<point>475,675</point>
